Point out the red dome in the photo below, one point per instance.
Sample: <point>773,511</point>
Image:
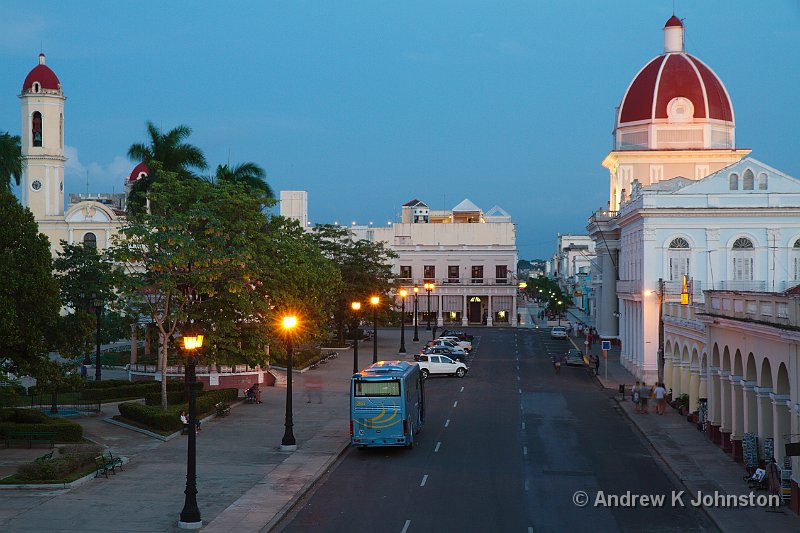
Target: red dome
<point>138,172</point>
<point>673,21</point>
<point>41,73</point>
<point>670,76</point>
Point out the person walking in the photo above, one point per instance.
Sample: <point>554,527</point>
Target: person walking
<point>644,395</point>
<point>635,396</point>
<point>660,394</point>
<point>557,362</point>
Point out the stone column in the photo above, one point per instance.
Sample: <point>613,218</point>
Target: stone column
<point>765,423</point>
<point>725,410</point>
<point>750,415</point>
<point>677,369</point>
<point>464,321</point>
<point>737,417</point>
<point>781,422</point>
<point>714,404</point>
<point>439,316</point>
<point>489,311</point>
<point>514,309</point>
<point>667,371</point>
<point>694,388</point>
<point>686,381</point>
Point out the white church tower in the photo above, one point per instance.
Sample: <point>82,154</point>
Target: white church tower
<point>42,105</point>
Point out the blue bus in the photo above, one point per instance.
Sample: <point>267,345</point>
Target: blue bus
<point>387,404</point>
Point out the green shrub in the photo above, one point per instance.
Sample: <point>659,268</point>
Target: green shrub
<point>173,397</point>
<point>69,460</point>
<point>65,430</point>
<point>300,358</point>
<point>24,416</point>
<point>154,417</point>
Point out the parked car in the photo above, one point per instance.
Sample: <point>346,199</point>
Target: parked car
<point>558,332</point>
<point>450,343</point>
<point>574,357</point>
<point>467,345</point>
<point>457,333</point>
<point>450,352</point>
<point>430,364</point>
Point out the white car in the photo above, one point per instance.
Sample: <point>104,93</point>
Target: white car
<point>558,332</point>
<point>431,364</point>
<point>447,344</point>
<point>463,344</point>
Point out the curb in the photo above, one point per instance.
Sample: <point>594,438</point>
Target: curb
<point>56,486</point>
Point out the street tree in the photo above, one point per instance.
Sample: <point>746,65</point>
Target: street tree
<point>250,175</point>
<point>365,268</point>
<point>10,160</point>
<point>29,302</point>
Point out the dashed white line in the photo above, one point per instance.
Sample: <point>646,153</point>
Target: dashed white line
<point>408,523</point>
<point>455,403</point>
<point>517,378</point>
<point>437,447</point>
<point>530,529</point>
<point>520,391</point>
<point>527,485</point>
<point>447,422</point>
<point>462,389</point>
<point>523,425</point>
<point>524,450</point>
<point>424,480</point>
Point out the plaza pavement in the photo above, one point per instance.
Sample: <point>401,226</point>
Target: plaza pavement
<point>698,464</point>
<point>246,484</point>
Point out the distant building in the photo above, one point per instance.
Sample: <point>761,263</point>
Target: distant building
<point>571,266</point>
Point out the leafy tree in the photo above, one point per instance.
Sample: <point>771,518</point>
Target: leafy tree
<point>29,303</point>
<point>168,152</point>
<point>10,160</point>
<point>365,268</point>
<point>250,175</point>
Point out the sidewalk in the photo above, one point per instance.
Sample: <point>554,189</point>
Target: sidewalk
<point>244,482</point>
<point>699,464</point>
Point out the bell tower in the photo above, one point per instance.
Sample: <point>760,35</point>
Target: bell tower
<point>42,106</point>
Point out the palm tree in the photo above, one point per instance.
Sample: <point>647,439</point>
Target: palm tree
<point>165,152</point>
<point>250,175</point>
<point>10,160</point>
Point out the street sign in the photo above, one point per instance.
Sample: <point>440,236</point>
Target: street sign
<point>606,345</point>
<point>586,343</point>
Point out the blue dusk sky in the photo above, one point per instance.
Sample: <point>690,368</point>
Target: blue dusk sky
<point>369,104</point>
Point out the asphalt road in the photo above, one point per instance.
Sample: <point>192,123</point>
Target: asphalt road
<point>504,449</point>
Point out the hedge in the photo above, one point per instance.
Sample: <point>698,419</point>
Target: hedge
<point>127,389</point>
<point>173,397</point>
<point>168,420</point>
<point>65,430</point>
<point>23,416</point>
<point>69,460</point>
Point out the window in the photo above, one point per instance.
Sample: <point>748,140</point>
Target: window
<point>452,274</point>
<point>747,180</point>
<point>743,257</point>
<point>405,272</point>
<point>734,182</point>
<point>501,273</point>
<point>477,274</point>
<point>762,181</point>
<point>378,388</point>
<point>429,272</point>
<point>678,259</point>
<point>36,128</point>
<point>90,240</point>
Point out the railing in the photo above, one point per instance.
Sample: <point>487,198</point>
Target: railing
<point>508,280</point>
<point>603,215</point>
<point>750,286</point>
<point>44,402</point>
<point>179,369</point>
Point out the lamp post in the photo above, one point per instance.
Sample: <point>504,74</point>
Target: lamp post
<point>375,301</point>
<point>356,307</point>
<point>559,312</point>
<point>416,291</point>
<point>190,515</point>
<point>428,288</point>
<point>288,444</point>
<point>403,294</point>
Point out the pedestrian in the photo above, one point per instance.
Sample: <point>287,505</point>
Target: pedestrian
<point>660,394</point>
<point>589,337</point>
<point>557,362</point>
<point>84,371</point>
<point>313,389</point>
<point>596,361</point>
<point>644,395</point>
<point>569,328</point>
<point>774,478</point>
<point>185,422</point>
<point>635,393</point>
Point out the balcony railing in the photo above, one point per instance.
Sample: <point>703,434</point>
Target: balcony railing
<point>508,280</point>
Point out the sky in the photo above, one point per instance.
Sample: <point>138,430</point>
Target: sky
<point>369,104</point>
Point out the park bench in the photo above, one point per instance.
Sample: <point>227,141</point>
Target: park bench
<point>43,459</point>
<point>106,463</point>
<point>222,409</point>
<point>30,437</point>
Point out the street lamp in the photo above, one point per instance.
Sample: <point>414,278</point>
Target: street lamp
<point>416,291</point>
<point>356,307</point>
<point>429,287</point>
<point>288,444</point>
<point>190,515</point>
<point>559,312</point>
<point>403,294</point>
<point>374,301</point>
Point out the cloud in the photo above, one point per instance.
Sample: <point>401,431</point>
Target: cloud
<point>102,178</point>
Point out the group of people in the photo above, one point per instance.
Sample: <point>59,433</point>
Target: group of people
<point>253,394</point>
<point>185,422</point>
<point>642,393</point>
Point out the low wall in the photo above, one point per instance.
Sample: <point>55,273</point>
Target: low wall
<point>213,380</point>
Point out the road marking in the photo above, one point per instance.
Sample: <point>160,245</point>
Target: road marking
<point>517,367</point>
<point>520,391</point>
<point>455,403</point>
<point>424,480</point>
<point>523,425</point>
<point>447,422</point>
<point>437,447</point>
<point>524,450</point>
<point>462,389</point>
<point>517,378</point>
<point>530,529</point>
<point>408,523</point>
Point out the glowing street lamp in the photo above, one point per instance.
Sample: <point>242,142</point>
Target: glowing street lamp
<point>288,444</point>
<point>374,300</point>
<point>356,307</point>
<point>403,293</point>
<point>416,292</point>
<point>429,287</point>
<point>190,515</point>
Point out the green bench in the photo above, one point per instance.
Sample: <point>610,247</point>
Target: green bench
<point>30,437</point>
<point>222,409</point>
<point>106,463</point>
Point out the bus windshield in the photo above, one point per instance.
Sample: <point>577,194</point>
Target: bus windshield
<point>377,388</point>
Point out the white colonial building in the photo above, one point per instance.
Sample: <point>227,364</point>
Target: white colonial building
<point>694,251</point>
<point>572,264</point>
